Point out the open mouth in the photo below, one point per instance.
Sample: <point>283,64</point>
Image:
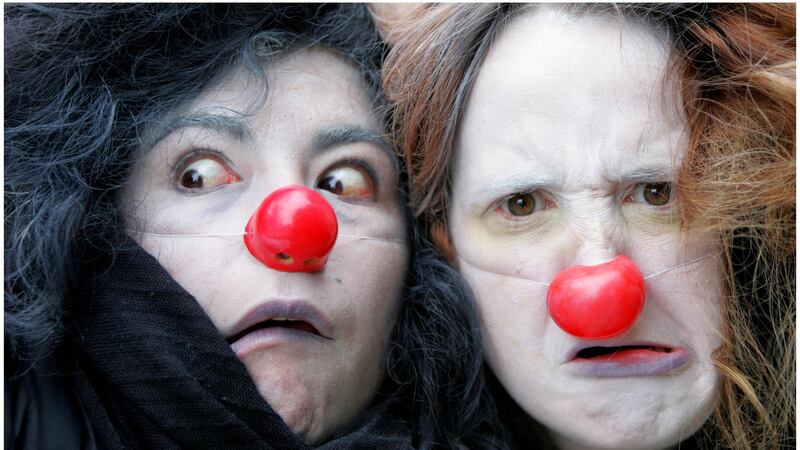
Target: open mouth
<point>277,322</point>
<point>607,353</point>
<point>627,360</point>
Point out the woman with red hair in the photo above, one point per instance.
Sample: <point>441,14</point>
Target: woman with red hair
<point>616,184</point>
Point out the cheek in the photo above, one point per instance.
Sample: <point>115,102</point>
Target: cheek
<point>532,255</point>
<point>691,298</point>
<point>684,277</point>
<point>215,271</point>
<point>368,265</point>
<point>514,319</point>
<point>142,192</point>
<point>370,275</point>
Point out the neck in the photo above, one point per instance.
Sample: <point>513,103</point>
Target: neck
<point>565,443</point>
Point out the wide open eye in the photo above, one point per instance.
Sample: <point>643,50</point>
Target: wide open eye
<point>524,204</point>
<point>205,172</point>
<point>347,180</point>
<point>653,194</point>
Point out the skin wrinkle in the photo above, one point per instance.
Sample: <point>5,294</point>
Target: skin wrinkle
<point>292,143</point>
<point>631,139</point>
<point>733,109</point>
<point>673,271</point>
<point>71,149</point>
<point>343,214</point>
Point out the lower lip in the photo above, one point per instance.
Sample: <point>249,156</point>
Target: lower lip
<point>629,363</point>
<point>273,336</point>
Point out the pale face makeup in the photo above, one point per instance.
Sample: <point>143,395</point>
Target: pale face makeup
<point>564,157</point>
<point>212,165</point>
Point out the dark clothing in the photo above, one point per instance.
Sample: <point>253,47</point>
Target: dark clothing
<point>42,410</point>
<point>147,369</point>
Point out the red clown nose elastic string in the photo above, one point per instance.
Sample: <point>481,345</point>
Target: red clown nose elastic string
<point>293,230</point>
<point>597,302</point>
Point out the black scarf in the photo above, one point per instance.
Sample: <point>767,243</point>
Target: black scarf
<point>153,372</point>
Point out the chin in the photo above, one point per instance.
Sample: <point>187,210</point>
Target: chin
<point>292,397</point>
<point>295,412</point>
<point>624,425</point>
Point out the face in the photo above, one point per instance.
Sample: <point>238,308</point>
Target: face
<point>211,165</point>
<point>565,156</point>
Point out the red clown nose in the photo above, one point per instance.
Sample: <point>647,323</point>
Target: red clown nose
<point>597,302</point>
<point>293,230</point>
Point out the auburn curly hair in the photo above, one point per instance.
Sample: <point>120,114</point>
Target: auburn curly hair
<point>736,64</point>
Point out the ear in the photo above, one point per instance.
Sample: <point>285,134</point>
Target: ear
<point>391,17</point>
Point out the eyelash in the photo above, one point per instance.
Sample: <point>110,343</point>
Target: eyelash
<point>361,164</point>
<point>498,205</point>
<point>195,154</point>
<point>632,190</point>
<point>192,155</point>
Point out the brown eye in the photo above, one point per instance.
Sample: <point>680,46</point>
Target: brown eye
<point>654,194</point>
<point>526,203</point>
<point>347,181</point>
<point>521,204</point>
<point>206,173</point>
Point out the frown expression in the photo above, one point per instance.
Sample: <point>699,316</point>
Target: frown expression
<point>565,156</point>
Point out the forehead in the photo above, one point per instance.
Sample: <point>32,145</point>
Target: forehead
<point>304,89</point>
<point>559,91</point>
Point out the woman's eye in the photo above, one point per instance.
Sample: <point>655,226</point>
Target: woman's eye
<point>206,173</point>
<point>654,194</point>
<point>347,181</point>
<point>525,204</point>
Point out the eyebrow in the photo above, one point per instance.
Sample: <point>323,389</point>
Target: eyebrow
<point>238,130</point>
<point>231,126</point>
<point>484,194</point>
<point>334,136</point>
<point>654,174</point>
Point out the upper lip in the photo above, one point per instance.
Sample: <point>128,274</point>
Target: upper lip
<point>288,309</point>
<point>573,352</point>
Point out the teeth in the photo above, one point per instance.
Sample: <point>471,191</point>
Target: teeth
<point>282,319</point>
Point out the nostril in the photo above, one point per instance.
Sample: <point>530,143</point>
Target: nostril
<point>283,258</point>
<point>293,230</point>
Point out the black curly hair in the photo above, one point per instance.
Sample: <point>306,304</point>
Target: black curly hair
<point>82,81</point>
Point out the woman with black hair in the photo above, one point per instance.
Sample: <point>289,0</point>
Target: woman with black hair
<point>142,313</point>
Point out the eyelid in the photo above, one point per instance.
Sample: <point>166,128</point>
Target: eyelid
<point>501,203</point>
<point>634,189</point>
<point>195,154</point>
<point>358,164</point>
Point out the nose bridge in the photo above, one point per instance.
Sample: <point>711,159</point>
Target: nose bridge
<point>596,229</point>
<point>275,173</point>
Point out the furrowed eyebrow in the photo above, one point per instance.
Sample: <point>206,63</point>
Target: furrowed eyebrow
<point>335,136</point>
<point>231,126</point>
<point>640,174</point>
<point>483,196</point>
